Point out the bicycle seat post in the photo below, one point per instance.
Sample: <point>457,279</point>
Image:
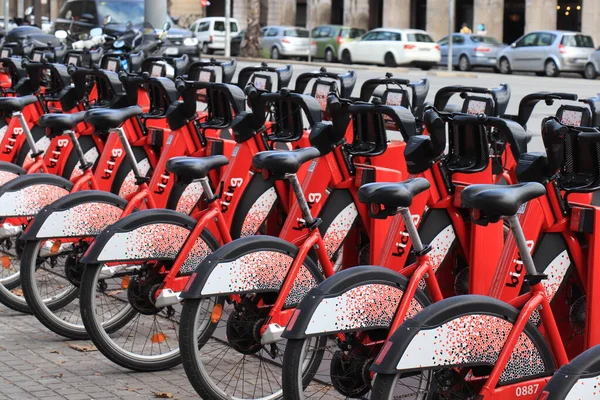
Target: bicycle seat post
<point>413,233</point>
<point>517,230</point>
<point>28,135</point>
<point>295,183</point>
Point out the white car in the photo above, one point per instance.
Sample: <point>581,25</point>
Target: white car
<point>210,32</point>
<point>393,47</point>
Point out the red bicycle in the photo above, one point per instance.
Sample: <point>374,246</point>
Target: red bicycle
<point>486,347</point>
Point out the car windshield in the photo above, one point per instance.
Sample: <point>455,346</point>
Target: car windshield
<point>577,41</point>
<point>351,33</point>
<point>122,12</point>
<point>296,33</point>
<point>485,39</point>
<point>419,37</point>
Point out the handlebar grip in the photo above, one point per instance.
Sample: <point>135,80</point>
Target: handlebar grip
<point>180,85</point>
<point>251,92</point>
<point>333,103</point>
<point>566,96</point>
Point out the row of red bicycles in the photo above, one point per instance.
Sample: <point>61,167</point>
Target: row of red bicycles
<point>302,243</point>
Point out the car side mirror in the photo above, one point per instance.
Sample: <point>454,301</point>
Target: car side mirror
<point>107,20</point>
<point>513,45</point>
<point>129,25</point>
<point>28,11</point>
<point>166,26</point>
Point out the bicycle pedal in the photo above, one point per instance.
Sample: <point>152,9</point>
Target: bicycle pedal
<point>167,298</point>
<point>272,334</point>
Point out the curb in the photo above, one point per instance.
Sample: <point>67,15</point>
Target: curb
<point>453,74</point>
<point>321,64</point>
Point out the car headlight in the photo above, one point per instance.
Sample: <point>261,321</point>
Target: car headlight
<point>190,41</point>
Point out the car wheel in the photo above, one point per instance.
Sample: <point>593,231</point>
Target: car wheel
<point>551,69</point>
<point>346,58</point>
<point>275,53</point>
<point>389,60</point>
<point>426,67</point>
<point>464,64</point>
<point>329,57</point>
<point>205,48</point>
<point>590,72</point>
<point>505,66</point>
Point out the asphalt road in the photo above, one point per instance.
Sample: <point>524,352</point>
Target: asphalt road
<point>520,84</point>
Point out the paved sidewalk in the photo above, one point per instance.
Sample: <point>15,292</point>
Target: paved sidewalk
<point>37,364</point>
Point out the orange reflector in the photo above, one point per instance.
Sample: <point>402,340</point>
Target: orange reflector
<point>55,247</point>
<point>125,282</point>
<point>6,262</point>
<point>159,338</point>
<point>217,311</point>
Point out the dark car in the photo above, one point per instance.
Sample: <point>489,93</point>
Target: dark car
<point>236,43</point>
<point>80,16</point>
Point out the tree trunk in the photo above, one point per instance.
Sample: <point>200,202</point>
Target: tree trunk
<point>251,46</point>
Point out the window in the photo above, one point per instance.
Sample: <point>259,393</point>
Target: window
<point>220,26</point>
<point>203,26</point>
<point>303,33</point>
<point>325,32</point>
<point>71,9</point>
<point>577,41</point>
<point>545,39</point>
<point>271,32</point>
<point>443,41</point>
<point>316,32</point>
<point>484,39</point>
<point>528,40</point>
<point>371,36</point>
<point>122,12</point>
<point>351,33</point>
<point>385,36</point>
<point>421,37</point>
<point>193,27</point>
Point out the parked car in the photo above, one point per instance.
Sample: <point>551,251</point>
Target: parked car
<point>284,41</point>
<point>328,38</point>
<point>81,16</point>
<point>547,53</point>
<point>470,51</point>
<point>393,47</point>
<point>592,67</point>
<point>236,43</point>
<point>210,32</point>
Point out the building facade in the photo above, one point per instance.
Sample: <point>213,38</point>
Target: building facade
<point>506,20</point>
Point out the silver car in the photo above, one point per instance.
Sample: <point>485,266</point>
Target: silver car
<point>470,51</point>
<point>284,41</point>
<point>547,53</point>
<point>592,68</point>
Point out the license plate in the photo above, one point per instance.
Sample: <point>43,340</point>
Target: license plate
<point>425,49</point>
<point>492,60</point>
<point>172,51</point>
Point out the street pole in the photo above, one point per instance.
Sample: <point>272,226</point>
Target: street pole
<point>309,26</point>
<point>227,28</point>
<point>155,13</point>
<point>6,14</point>
<point>450,32</point>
